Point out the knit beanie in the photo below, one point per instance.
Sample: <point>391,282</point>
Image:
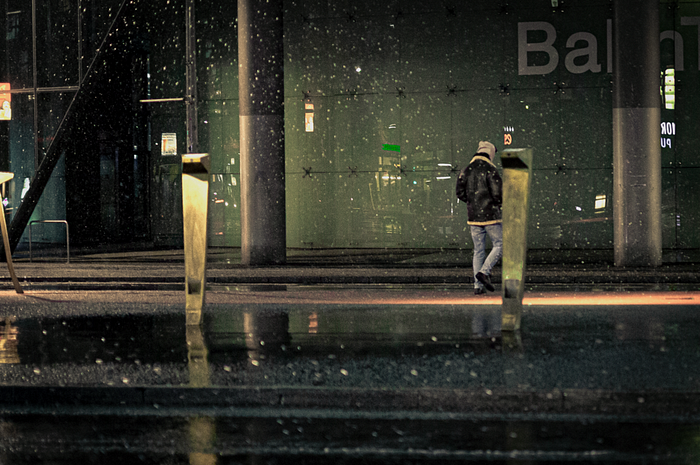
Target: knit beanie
<point>487,147</point>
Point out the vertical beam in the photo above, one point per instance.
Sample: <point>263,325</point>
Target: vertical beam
<point>191,79</point>
<point>35,82</point>
<point>636,133</point>
<point>261,95</point>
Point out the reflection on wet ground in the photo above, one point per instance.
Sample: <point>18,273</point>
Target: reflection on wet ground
<point>309,439</point>
<point>353,384</point>
<point>620,348</point>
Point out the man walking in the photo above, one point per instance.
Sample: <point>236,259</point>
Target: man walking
<point>480,186</point>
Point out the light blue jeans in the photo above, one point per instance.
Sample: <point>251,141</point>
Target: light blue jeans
<point>480,262</point>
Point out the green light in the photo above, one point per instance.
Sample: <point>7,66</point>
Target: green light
<point>391,148</point>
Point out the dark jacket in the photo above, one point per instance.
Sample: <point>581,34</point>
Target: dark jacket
<point>480,186</point>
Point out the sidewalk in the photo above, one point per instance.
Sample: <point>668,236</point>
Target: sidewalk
<point>164,270</point>
<point>385,350</point>
<point>374,331</point>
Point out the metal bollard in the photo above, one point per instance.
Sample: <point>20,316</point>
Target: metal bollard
<point>4,177</point>
<point>195,203</point>
<point>517,175</point>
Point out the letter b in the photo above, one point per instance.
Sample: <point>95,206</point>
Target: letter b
<point>524,47</point>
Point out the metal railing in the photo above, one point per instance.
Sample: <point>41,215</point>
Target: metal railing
<point>50,221</point>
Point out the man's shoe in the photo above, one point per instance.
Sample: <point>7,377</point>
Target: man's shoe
<point>485,280</point>
<point>479,291</point>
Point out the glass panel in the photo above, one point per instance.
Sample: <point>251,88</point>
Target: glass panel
<point>688,213</point>
<point>586,128</point>
<point>19,44</point>
<point>476,116</point>
<point>224,220</point>
<point>587,209</point>
<point>363,53</point>
<point>217,58</point>
<point>57,43</point>
<point>544,222</point>
<point>668,208</point>
<point>535,116</point>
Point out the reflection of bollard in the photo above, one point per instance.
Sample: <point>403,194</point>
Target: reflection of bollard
<point>197,357</point>
<point>202,430</point>
<point>195,202</point>
<point>517,170</point>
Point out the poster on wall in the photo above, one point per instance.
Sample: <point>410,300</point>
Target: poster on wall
<point>5,102</point>
<point>169,144</point>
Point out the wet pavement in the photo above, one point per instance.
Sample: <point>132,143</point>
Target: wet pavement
<point>300,438</point>
<point>367,370</point>
<point>164,270</point>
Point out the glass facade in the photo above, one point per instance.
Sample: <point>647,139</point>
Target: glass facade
<point>384,103</point>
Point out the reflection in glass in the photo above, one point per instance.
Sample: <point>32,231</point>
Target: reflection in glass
<point>265,331</point>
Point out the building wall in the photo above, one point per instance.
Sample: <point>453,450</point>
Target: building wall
<point>402,91</point>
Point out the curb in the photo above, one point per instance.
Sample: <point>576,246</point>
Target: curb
<point>428,400</point>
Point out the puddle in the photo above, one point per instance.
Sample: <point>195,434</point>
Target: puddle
<point>340,346</point>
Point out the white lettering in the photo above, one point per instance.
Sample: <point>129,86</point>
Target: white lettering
<point>591,51</point>
<point>693,21</point>
<point>668,129</point>
<point>546,48</point>
<point>525,47</point>
<point>665,143</point>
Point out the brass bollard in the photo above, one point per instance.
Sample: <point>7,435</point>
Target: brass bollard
<point>195,203</point>
<point>4,177</point>
<point>517,175</point>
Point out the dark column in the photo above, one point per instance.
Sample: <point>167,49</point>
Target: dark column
<point>191,78</point>
<point>261,94</point>
<point>636,133</point>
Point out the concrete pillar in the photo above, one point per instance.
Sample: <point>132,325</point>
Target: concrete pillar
<point>261,94</point>
<point>636,133</point>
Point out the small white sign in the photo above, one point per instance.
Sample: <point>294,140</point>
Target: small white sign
<point>168,144</point>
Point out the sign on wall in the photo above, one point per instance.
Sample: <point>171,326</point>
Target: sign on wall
<point>5,102</point>
<point>168,144</point>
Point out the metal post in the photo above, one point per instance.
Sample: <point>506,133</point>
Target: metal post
<point>517,174</point>
<point>191,80</point>
<point>64,222</point>
<point>636,134</point>
<point>261,97</point>
<point>195,202</point>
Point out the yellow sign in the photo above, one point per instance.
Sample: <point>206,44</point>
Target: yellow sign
<point>169,144</point>
<point>5,100</point>
<point>309,117</point>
